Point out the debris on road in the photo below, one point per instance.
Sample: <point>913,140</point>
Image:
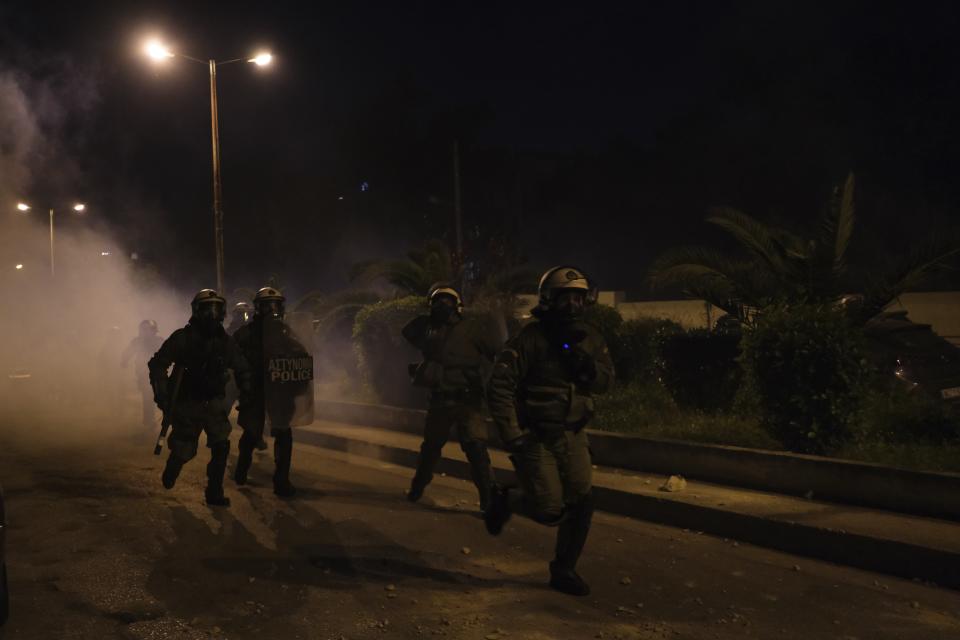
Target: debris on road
<point>674,483</point>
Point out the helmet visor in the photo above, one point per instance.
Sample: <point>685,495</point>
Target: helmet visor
<point>212,310</point>
<point>270,308</point>
<point>570,302</point>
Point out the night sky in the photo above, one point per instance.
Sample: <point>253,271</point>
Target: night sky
<point>592,133</point>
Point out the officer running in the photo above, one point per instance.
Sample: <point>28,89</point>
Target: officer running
<point>268,306</point>
<point>200,353</point>
<point>241,315</point>
<point>458,353</point>
<point>139,351</point>
<point>540,396</point>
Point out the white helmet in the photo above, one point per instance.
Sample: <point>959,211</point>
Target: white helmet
<point>269,301</point>
<point>444,289</point>
<point>564,278</point>
<point>209,297</point>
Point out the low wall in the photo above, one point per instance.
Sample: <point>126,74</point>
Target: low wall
<point>870,485</point>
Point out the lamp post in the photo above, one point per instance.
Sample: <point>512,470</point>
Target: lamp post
<point>79,207</point>
<point>158,52</point>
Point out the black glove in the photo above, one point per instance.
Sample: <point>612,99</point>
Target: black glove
<point>517,444</point>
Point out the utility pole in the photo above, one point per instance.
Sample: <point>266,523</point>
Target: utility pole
<point>217,191</point>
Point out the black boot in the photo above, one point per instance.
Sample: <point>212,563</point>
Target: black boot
<point>171,472</point>
<point>566,580</point>
<point>498,512</point>
<point>429,455</point>
<point>416,490</point>
<point>481,471</point>
<point>215,470</point>
<point>244,459</point>
<point>571,537</point>
<point>282,452</point>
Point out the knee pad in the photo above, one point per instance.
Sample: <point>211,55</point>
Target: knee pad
<point>182,450</point>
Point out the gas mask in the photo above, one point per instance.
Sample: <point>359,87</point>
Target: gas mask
<point>442,309</point>
<point>272,309</point>
<point>568,305</point>
<point>209,317</point>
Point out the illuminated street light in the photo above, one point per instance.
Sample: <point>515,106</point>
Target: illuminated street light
<point>19,267</point>
<point>261,59</point>
<point>78,207</point>
<point>157,51</point>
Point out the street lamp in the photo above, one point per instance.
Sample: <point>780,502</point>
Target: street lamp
<point>159,52</point>
<point>23,207</point>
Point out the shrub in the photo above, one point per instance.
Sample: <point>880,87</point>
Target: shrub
<point>382,352</point>
<point>634,344</point>
<point>808,366</point>
<point>637,348</point>
<point>647,409</point>
<point>700,368</point>
<point>604,319</point>
<point>333,335</point>
<point>896,415</point>
<point>634,407</point>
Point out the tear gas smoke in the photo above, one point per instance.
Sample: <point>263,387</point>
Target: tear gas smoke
<point>63,334</point>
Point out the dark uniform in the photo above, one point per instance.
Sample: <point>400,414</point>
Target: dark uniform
<point>139,351</point>
<point>201,355</point>
<point>242,315</point>
<point>540,396</point>
<point>268,305</point>
<point>458,354</point>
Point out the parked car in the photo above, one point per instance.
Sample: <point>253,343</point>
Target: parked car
<point>4,592</point>
<point>916,356</point>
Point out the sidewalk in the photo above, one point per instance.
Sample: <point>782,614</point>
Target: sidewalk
<point>906,546</point>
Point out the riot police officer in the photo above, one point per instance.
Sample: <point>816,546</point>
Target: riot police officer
<point>139,351</point>
<point>540,396</point>
<point>201,354</point>
<point>241,315</point>
<point>458,353</point>
<point>268,317</point>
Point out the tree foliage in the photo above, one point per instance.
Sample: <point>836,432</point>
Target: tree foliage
<point>775,265</point>
<point>414,275</point>
<point>808,366</point>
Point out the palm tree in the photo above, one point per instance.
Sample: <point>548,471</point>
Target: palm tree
<point>423,267</point>
<point>331,308</point>
<point>777,265</point>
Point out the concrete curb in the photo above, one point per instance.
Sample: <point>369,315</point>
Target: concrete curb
<point>843,481</point>
<point>890,557</point>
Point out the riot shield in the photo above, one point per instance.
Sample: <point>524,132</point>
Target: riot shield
<point>288,371</point>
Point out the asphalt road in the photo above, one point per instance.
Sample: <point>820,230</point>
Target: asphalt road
<point>97,549</point>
